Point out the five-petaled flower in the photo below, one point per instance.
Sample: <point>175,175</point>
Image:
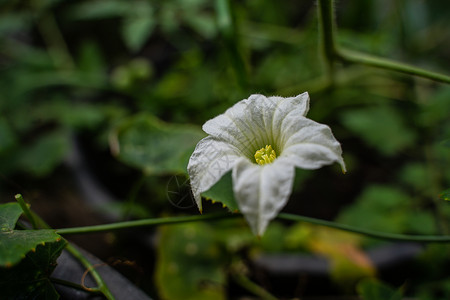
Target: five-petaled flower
<point>261,140</point>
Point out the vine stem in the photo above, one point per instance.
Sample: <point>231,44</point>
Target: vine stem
<point>229,34</point>
<point>327,36</point>
<point>26,210</point>
<point>332,52</point>
<point>367,232</point>
<point>102,287</point>
<point>144,223</point>
<point>383,63</point>
<point>283,216</point>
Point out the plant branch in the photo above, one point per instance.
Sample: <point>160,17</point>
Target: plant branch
<point>102,287</point>
<point>26,210</point>
<point>283,216</point>
<point>228,31</point>
<point>327,36</point>
<point>144,223</point>
<point>383,63</point>
<point>367,232</point>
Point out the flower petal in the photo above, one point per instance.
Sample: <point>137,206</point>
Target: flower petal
<point>254,122</point>
<point>210,160</point>
<point>309,144</point>
<point>262,191</point>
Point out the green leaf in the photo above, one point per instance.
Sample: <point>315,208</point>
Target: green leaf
<point>27,258</point>
<point>15,244</point>
<point>136,31</point>
<point>381,127</point>
<point>190,263</point>
<point>9,214</point>
<point>30,278</point>
<point>222,192</point>
<point>41,157</point>
<point>378,201</point>
<point>154,146</point>
<point>371,289</point>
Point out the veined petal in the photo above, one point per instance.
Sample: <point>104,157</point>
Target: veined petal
<point>262,191</point>
<point>210,160</point>
<point>311,145</point>
<point>254,122</point>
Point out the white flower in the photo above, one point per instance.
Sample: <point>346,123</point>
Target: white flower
<point>261,140</point>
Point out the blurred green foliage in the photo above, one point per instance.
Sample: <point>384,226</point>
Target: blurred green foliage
<point>93,70</point>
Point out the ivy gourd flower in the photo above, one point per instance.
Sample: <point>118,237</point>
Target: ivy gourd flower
<point>261,140</point>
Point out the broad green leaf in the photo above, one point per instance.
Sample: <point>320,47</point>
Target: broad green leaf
<point>222,192</point>
<point>380,127</point>
<point>15,244</point>
<point>154,146</point>
<point>27,258</point>
<point>29,279</point>
<point>190,263</point>
<point>371,289</point>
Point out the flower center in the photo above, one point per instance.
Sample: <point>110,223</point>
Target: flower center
<point>265,155</point>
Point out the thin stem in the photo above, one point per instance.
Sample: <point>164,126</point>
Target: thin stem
<point>360,58</point>
<point>102,287</point>
<point>327,36</point>
<point>53,38</point>
<point>284,216</point>
<point>143,223</point>
<point>370,233</point>
<point>227,29</point>
<point>70,284</point>
<point>26,210</point>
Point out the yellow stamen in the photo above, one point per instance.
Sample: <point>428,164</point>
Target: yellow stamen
<point>265,155</point>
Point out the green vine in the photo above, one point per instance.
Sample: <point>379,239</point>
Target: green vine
<point>283,216</point>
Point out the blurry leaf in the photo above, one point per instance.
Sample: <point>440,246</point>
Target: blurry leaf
<point>7,137</point>
<point>90,58</point>
<point>380,127</point>
<point>100,9</point>
<point>136,31</point>
<point>436,108</point>
<point>14,244</point>
<point>445,195</point>
<point>203,24</point>
<point>375,203</point>
<point>14,23</point>
<point>349,262</point>
<point>75,115</point>
<point>154,146</point>
<point>416,176</point>
<point>222,192</point>
<point>420,222</point>
<point>371,289</point>
<point>190,263</point>
<point>41,157</point>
